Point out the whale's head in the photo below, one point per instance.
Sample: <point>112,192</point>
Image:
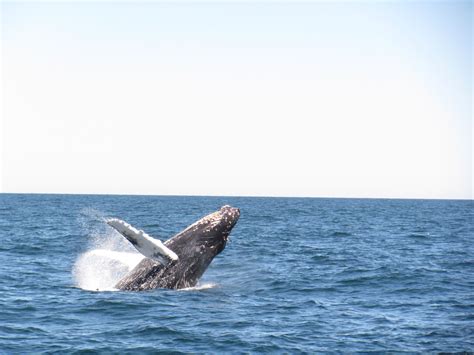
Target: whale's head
<point>207,236</point>
<point>198,244</point>
<point>213,230</point>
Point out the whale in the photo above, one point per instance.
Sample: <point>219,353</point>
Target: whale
<point>180,261</point>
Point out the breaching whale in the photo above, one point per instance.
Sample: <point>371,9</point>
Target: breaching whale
<point>181,260</point>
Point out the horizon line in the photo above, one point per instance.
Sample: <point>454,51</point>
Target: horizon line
<point>238,196</point>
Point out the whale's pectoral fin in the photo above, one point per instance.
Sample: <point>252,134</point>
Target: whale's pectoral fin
<point>150,247</point>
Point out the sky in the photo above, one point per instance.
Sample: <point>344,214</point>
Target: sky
<point>315,99</point>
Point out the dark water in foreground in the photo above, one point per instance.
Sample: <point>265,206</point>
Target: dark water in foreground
<point>299,275</point>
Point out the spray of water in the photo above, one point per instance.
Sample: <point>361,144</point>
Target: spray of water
<point>109,256</point>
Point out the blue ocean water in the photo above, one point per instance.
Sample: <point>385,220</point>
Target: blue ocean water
<point>298,276</point>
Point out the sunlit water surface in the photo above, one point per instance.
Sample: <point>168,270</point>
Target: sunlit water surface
<point>299,275</point>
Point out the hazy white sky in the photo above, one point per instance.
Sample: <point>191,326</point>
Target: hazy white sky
<point>348,99</point>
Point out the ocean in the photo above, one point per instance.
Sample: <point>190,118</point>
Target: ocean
<point>299,275</point>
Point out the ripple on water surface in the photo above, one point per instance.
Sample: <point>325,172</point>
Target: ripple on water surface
<point>299,275</point>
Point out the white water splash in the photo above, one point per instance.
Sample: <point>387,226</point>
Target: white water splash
<point>199,287</point>
<point>101,269</point>
<point>109,257</point>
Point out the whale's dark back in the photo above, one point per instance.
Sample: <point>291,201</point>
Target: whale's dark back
<point>196,246</point>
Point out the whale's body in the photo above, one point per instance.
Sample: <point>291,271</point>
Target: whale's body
<point>195,248</point>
